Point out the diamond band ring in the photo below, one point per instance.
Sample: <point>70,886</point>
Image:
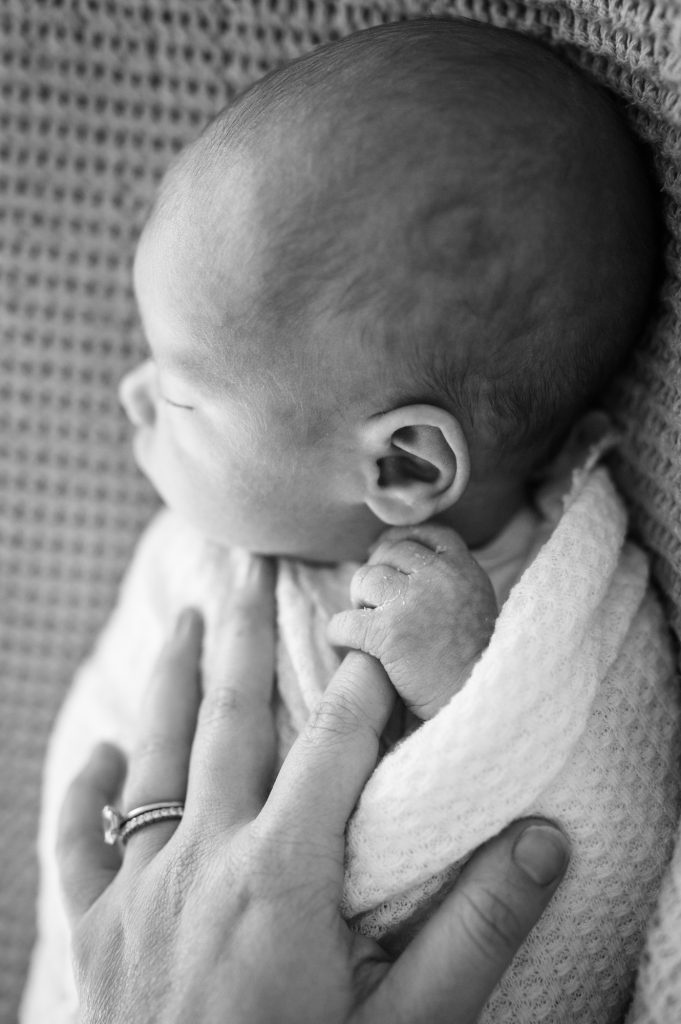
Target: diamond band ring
<point>119,826</point>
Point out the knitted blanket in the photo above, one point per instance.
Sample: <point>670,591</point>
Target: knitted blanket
<point>572,712</point>
<point>97,97</point>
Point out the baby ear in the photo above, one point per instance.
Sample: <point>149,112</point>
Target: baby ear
<point>416,463</point>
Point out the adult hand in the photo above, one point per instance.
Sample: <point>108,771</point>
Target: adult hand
<point>232,913</point>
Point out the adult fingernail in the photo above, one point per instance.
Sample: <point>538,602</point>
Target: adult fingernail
<point>542,853</point>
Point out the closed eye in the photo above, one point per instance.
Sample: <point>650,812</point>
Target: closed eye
<point>177,405</point>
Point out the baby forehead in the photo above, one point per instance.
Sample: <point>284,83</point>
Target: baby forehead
<point>202,247</point>
<point>197,328</point>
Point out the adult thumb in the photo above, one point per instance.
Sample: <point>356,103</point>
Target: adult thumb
<point>447,974</point>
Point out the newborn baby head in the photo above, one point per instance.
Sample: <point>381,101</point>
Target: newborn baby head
<point>381,285</point>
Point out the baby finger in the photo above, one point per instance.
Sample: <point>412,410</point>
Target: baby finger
<point>435,537</point>
<point>407,555</point>
<point>374,585</point>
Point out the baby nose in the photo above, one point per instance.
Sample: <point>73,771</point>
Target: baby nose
<point>136,395</point>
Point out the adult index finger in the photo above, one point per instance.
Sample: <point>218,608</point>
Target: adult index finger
<point>159,761</point>
<point>328,765</point>
<point>232,760</point>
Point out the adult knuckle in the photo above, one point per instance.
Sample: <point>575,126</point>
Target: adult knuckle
<point>343,626</point>
<point>81,947</point>
<point>222,702</point>
<point>257,864</point>
<point>332,717</point>
<point>179,875</point>
<point>492,926</point>
<point>86,956</point>
<point>263,858</point>
<point>271,873</point>
<point>151,746</point>
<point>355,628</point>
<point>98,947</point>
<point>246,616</point>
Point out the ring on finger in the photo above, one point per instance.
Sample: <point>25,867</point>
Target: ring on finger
<point>119,827</point>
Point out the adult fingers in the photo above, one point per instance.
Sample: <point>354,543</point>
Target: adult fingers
<point>448,973</point>
<point>327,767</point>
<point>352,628</point>
<point>233,754</point>
<point>159,761</point>
<point>86,864</point>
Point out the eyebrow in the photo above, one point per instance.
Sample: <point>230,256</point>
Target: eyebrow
<point>197,367</point>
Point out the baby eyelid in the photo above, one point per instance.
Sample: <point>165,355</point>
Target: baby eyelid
<point>177,405</point>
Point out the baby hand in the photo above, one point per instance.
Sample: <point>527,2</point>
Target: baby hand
<point>425,610</point>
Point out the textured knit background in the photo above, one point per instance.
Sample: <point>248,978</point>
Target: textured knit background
<point>95,98</point>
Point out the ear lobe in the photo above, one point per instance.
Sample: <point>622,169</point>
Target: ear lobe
<point>416,463</point>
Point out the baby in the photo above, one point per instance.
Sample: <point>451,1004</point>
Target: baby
<point>378,291</point>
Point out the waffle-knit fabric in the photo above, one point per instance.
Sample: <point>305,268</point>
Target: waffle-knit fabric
<point>95,98</point>
<point>572,712</point>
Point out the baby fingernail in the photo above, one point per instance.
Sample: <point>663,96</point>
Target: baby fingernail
<point>542,853</point>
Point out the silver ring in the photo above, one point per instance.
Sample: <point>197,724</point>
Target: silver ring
<point>119,827</point>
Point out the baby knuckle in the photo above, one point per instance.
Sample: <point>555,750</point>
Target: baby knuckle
<point>438,536</point>
<point>381,585</point>
<point>360,575</point>
<point>375,631</point>
<point>360,584</point>
<point>414,551</point>
<point>405,553</point>
<point>380,554</point>
<point>491,925</point>
<point>391,537</point>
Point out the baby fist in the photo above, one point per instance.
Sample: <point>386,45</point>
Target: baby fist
<point>425,610</point>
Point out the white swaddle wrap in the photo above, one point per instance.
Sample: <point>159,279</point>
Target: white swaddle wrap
<point>572,712</point>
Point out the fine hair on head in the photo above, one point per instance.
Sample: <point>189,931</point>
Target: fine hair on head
<point>461,209</point>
